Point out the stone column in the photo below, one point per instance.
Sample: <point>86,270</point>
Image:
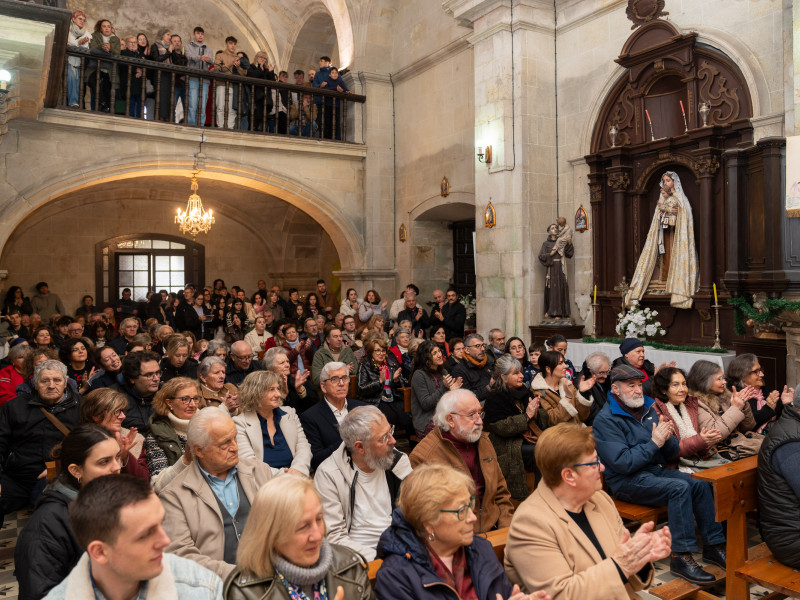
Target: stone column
<point>619,181</point>
<point>514,78</point>
<point>707,165</point>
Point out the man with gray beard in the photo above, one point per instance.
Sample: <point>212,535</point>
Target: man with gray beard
<point>359,483</point>
<point>458,440</point>
<point>635,447</point>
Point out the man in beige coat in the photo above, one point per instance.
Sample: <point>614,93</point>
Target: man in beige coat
<point>567,537</point>
<point>207,504</point>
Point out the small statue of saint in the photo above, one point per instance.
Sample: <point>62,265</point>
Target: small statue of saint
<point>553,254</point>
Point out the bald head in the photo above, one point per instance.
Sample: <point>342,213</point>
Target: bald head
<point>241,354</point>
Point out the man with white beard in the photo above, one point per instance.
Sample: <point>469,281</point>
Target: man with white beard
<point>635,446</point>
<point>359,483</point>
<point>458,440</point>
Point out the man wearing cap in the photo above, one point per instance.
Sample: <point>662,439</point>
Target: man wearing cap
<point>632,351</point>
<point>635,446</point>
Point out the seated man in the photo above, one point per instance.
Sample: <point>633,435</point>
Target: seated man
<point>117,520</point>
<point>458,440</point>
<point>779,485</point>
<point>474,370</point>
<point>635,447</point>
<point>416,314</point>
<point>333,350</point>
<point>30,425</point>
<point>139,380</point>
<point>128,329</point>
<point>240,363</point>
<point>321,422</point>
<point>359,483</point>
<point>208,502</point>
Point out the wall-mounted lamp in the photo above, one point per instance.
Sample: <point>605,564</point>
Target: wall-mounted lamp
<point>5,77</point>
<point>485,154</point>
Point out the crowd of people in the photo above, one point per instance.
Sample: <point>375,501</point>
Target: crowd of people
<point>225,444</point>
<point>151,93</point>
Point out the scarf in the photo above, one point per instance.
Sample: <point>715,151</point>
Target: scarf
<point>308,579</point>
<point>181,426</point>
<point>77,32</point>
<point>474,362</point>
<point>682,419</point>
<point>459,579</point>
<point>761,402</point>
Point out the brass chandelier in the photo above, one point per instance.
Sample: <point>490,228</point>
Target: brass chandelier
<point>194,219</point>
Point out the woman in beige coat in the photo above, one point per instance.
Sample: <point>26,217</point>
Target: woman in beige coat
<point>567,537</point>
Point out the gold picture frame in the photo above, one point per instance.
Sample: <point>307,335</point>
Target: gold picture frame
<point>581,220</point>
<point>489,215</point>
<point>445,191</point>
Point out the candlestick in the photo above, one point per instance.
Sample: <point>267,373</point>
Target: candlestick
<point>594,315</point>
<point>716,307</point>
<point>685,124</point>
<point>715,294</point>
<point>595,294</point>
<point>652,135</point>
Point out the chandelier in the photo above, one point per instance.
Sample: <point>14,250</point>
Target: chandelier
<point>194,219</point>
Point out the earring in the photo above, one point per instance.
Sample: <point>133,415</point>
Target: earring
<point>431,536</point>
<point>79,480</point>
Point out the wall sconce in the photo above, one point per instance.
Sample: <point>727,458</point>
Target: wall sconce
<point>5,78</point>
<point>485,154</point>
<point>403,233</point>
<point>489,216</point>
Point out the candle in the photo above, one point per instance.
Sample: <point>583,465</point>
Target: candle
<point>595,294</point>
<point>715,294</point>
<point>647,112</point>
<point>682,111</point>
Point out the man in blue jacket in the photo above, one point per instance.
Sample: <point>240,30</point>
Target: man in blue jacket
<point>635,446</point>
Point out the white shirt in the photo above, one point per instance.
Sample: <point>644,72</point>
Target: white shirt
<point>339,414</point>
<point>373,510</point>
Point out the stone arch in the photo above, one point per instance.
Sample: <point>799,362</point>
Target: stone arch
<point>463,203</point>
<point>317,27</point>
<point>347,240</point>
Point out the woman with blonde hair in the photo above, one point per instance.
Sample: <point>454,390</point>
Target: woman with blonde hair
<point>430,549</point>
<point>268,431</point>
<point>283,552</point>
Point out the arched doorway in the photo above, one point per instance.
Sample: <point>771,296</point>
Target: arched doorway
<point>315,37</point>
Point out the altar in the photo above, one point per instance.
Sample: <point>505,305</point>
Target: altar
<point>577,351</point>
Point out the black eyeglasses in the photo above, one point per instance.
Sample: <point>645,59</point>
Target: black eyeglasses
<point>338,380</point>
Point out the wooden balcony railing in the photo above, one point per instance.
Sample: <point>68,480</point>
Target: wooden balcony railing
<point>144,89</point>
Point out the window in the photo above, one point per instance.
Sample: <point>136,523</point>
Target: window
<point>144,263</point>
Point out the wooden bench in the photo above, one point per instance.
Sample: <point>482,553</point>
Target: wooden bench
<point>407,407</point>
<point>639,512</point>
<point>496,537</point>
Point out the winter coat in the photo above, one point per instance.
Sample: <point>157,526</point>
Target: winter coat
<point>168,371</point>
<point>323,356</point>
<point>139,409</point>
<point>369,381</point>
<point>566,406</point>
<point>407,572</point>
<point>648,368</point>
<point>426,390</point>
<point>163,443</point>
<point>690,446</point>
<point>474,378</point>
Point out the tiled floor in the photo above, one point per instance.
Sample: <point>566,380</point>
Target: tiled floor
<point>15,521</point>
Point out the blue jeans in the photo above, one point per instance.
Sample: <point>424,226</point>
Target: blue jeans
<point>191,113</point>
<point>306,129</point>
<point>687,499</point>
<point>72,85</point>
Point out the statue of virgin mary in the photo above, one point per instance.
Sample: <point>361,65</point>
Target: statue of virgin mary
<point>668,263</point>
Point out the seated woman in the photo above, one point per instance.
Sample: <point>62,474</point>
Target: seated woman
<point>298,396</point>
<point>430,551</point>
<point>439,337</point>
<point>268,431</point>
<point>42,337</point>
<point>46,546</point>
<point>13,375</point>
<point>173,406</point>
<point>428,383</point>
<point>729,412</point>
<point>516,348</point>
<point>514,422</point>
<point>110,366</point>
<point>558,397</point>
<point>568,537</point>
<point>456,354</point>
<point>106,408</point>
<point>80,369</point>
<point>99,334</point>
<point>211,373</point>
<point>283,552</point>
<point>378,382</point>
<point>236,322</point>
<point>745,370</point>
<point>673,402</point>
<point>400,348</point>
<point>259,338</point>
<point>176,361</point>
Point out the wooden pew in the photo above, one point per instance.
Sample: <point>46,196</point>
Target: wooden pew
<point>351,391</point>
<point>639,512</point>
<point>496,537</point>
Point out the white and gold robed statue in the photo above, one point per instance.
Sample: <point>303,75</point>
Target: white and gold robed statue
<point>668,263</point>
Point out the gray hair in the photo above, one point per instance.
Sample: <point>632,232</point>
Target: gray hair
<point>198,433</point>
<point>205,365</point>
<point>330,368</point>
<point>410,294</point>
<point>504,365</point>
<point>447,404</point>
<point>357,425</point>
<point>739,368</point>
<point>400,331</point>
<point>19,351</point>
<point>472,336</point>
<point>49,365</point>
<point>271,354</point>
<point>702,374</point>
<point>595,360</point>
<point>215,345</point>
<point>493,331</point>
<point>127,320</point>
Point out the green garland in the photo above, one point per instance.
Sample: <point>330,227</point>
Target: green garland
<point>745,310</point>
<point>656,345</point>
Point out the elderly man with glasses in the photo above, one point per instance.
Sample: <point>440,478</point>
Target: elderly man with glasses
<point>321,422</point>
<point>360,481</point>
<point>474,370</point>
<point>458,440</point>
<point>240,363</point>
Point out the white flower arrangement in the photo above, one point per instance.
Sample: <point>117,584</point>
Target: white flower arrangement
<point>469,304</point>
<point>639,322</point>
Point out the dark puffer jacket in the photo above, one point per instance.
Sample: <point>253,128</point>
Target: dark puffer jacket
<point>408,574</point>
<point>46,549</point>
<point>369,381</point>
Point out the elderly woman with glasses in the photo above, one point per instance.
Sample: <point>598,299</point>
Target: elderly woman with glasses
<point>173,407</point>
<point>568,537</point>
<point>745,370</point>
<point>268,431</point>
<point>430,551</point>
